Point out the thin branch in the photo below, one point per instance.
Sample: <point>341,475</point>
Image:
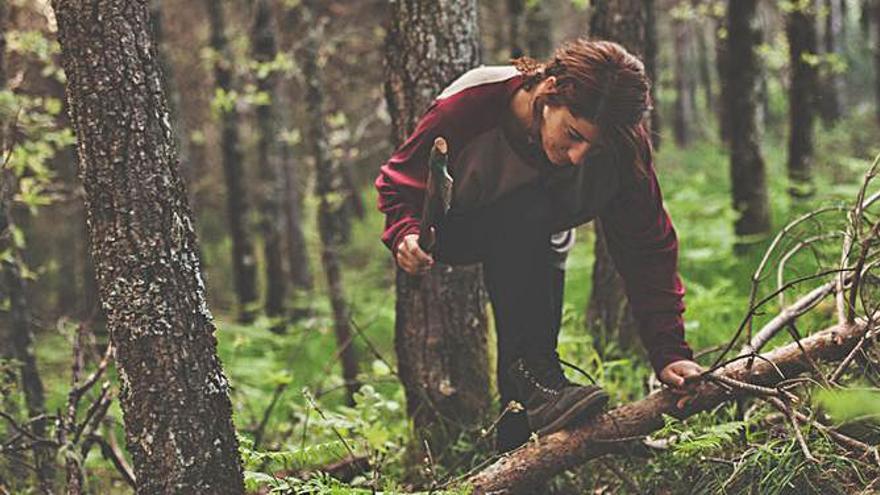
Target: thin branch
<point>261,428</point>
<point>839,438</point>
<point>372,347</point>
<point>754,308</point>
<point>792,329</point>
<point>849,357</point>
<point>751,387</point>
<point>780,270</point>
<point>756,277</point>
<point>95,413</point>
<point>314,405</point>
<point>17,427</point>
<point>798,434</point>
<point>801,306</point>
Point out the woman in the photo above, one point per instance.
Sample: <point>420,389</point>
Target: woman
<point>535,150</point>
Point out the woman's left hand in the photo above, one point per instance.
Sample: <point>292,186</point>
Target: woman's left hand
<point>677,375</point>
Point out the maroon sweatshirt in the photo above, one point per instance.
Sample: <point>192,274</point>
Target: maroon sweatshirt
<point>641,239</point>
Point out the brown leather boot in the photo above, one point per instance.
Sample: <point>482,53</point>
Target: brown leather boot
<point>553,402</point>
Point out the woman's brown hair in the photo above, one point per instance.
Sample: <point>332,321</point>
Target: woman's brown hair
<point>602,82</point>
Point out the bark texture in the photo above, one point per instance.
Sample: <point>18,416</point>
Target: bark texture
<point>531,466</point>
<point>271,186</point>
<point>244,268</point>
<point>174,396</point>
<point>747,170</point>
<point>627,23</point>
<point>440,327</point>
<point>331,207</point>
<point>800,27</point>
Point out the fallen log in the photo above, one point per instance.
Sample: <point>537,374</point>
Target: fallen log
<point>526,469</point>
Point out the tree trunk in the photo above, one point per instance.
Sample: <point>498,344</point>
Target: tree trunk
<point>244,267</point>
<point>331,203</point>
<point>626,22</point>
<point>533,465</point>
<point>801,30</point>
<point>539,40</point>
<point>800,27</point>
<point>271,221</point>
<point>683,108</point>
<point>353,205</point>
<point>608,313</point>
<point>722,38</point>
<point>16,333</point>
<point>516,10</point>
<point>297,251</point>
<point>440,327</point>
<point>650,59</point>
<point>832,84</point>
<point>705,73</point>
<point>746,162</point>
<point>876,11</point>
<point>299,267</point>
<point>174,396</point>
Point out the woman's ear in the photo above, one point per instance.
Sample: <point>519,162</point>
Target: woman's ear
<point>548,85</point>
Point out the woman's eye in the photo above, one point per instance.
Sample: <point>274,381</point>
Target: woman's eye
<point>572,135</point>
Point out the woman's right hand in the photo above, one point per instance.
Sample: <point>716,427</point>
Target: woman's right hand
<point>411,258</point>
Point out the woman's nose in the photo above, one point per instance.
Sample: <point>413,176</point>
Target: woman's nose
<point>577,152</point>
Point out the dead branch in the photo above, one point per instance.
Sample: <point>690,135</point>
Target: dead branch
<point>783,261</point>
<point>844,441</point>
<point>787,315</point>
<point>536,462</point>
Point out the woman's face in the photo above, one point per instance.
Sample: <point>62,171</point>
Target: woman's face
<point>566,139</point>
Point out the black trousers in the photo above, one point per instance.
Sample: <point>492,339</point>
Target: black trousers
<point>511,238</point>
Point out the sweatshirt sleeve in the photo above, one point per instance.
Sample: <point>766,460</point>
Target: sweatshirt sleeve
<point>402,179</point>
<point>644,247</point>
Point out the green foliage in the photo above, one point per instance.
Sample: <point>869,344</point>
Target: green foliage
<point>223,101</point>
<point>283,64</point>
<point>375,428</point>
<point>295,459</point>
<point>32,136</point>
<point>851,405</point>
<point>36,46</point>
<point>690,441</point>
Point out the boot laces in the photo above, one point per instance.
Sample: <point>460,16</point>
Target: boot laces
<point>544,375</point>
